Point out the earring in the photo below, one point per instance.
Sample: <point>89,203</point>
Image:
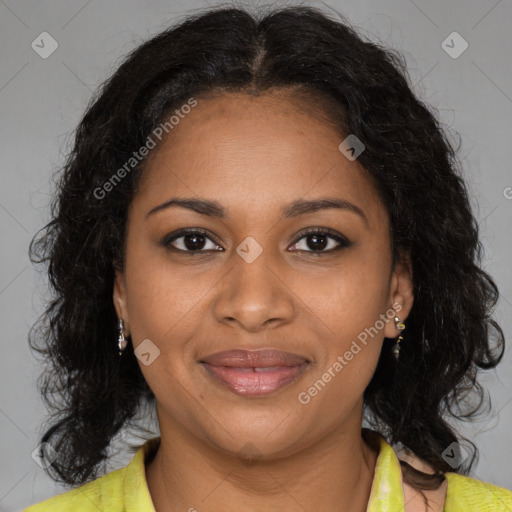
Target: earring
<point>121,340</point>
<point>396,348</point>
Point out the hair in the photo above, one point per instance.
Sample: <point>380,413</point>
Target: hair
<point>365,88</point>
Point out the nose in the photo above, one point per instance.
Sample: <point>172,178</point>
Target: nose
<point>254,295</point>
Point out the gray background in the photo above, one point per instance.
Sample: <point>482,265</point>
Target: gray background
<point>42,100</point>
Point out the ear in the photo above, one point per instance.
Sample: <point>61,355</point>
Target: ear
<point>119,297</point>
<point>401,296</point>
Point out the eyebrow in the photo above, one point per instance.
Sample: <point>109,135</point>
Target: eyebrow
<point>299,207</point>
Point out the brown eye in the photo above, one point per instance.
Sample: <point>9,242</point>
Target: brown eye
<point>190,241</point>
<point>318,240</point>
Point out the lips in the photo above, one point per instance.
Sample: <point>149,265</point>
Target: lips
<point>254,373</point>
<point>263,358</point>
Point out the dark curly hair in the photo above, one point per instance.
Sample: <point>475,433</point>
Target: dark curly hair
<point>364,89</point>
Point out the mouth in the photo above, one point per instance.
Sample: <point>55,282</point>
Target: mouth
<point>254,373</point>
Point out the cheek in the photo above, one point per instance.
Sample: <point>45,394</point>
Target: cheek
<point>348,297</point>
<point>350,309</point>
<point>161,299</point>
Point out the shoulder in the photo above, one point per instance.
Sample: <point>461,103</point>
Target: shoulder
<point>469,494</point>
<point>103,493</point>
<point>109,492</point>
<point>459,493</point>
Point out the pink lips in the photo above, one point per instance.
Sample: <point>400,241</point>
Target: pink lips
<point>254,373</point>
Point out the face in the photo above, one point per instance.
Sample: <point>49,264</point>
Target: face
<point>249,276</point>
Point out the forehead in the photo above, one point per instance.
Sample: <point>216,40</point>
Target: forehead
<point>255,153</point>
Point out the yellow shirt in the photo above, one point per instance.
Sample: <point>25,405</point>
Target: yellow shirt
<point>126,490</point>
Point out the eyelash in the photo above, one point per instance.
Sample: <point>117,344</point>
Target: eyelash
<point>343,241</point>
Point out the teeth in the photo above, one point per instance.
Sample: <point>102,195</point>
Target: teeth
<point>268,369</point>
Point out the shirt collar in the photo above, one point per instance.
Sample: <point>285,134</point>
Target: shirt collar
<point>136,491</point>
<point>386,493</point>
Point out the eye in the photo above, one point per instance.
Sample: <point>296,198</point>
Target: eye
<point>194,240</point>
<point>319,240</point>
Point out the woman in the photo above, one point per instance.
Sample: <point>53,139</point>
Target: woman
<point>265,235</point>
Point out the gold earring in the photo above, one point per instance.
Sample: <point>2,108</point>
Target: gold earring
<point>396,347</point>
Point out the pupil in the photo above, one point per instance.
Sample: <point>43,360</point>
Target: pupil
<point>194,245</point>
<point>321,245</point>
<point>196,242</point>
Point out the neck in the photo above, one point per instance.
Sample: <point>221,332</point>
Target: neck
<point>334,474</point>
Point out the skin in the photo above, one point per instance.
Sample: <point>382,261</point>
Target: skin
<point>254,155</point>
